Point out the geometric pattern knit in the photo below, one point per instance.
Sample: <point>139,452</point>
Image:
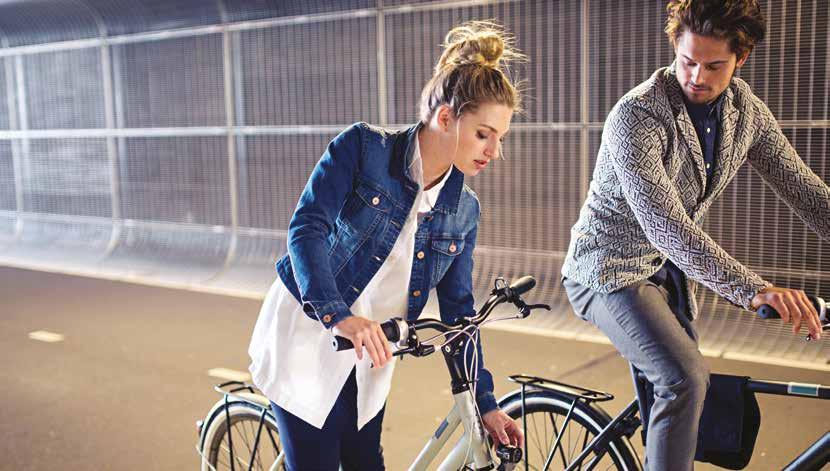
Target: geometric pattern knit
<point>648,195</point>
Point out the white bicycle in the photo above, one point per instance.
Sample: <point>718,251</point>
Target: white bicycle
<point>240,432</point>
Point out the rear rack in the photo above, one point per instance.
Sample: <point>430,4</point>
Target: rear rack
<point>243,392</point>
<point>588,395</point>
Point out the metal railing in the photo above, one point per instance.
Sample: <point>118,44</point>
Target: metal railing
<point>169,144</point>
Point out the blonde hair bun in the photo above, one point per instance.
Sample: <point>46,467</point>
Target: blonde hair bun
<point>481,43</point>
<point>473,70</point>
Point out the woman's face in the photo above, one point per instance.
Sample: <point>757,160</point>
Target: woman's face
<point>479,135</point>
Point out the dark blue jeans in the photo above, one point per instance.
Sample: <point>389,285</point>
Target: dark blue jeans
<point>308,448</point>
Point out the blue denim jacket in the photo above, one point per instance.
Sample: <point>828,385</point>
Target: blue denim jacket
<point>348,218</point>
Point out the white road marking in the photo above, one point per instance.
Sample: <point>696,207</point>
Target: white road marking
<point>230,375</point>
<point>45,336</point>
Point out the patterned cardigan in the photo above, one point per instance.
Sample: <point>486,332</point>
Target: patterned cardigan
<point>648,196</point>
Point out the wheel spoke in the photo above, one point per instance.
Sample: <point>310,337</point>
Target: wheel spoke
<point>240,436</point>
<point>573,451</point>
<point>536,436</point>
<point>584,444</point>
<point>246,422</point>
<point>556,434</point>
<point>236,457</point>
<point>546,427</point>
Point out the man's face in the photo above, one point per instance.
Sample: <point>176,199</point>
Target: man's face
<point>705,65</point>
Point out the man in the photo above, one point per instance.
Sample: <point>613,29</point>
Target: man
<point>669,148</point>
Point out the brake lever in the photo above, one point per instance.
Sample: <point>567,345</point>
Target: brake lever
<point>419,350</point>
<point>422,350</point>
<point>524,308</point>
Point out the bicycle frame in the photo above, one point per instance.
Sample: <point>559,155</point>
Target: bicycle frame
<point>818,453</point>
<point>472,444</point>
<point>626,422</point>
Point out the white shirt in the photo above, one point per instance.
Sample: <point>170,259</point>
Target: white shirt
<point>292,361</point>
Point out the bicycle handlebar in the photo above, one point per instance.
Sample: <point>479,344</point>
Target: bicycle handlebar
<point>397,328</point>
<point>390,329</point>
<point>521,286</point>
<point>768,312</point>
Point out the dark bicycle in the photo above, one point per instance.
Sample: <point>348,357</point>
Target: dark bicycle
<point>565,428</point>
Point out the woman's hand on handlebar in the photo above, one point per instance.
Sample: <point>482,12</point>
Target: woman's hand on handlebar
<point>502,428</point>
<point>793,306</point>
<point>363,332</point>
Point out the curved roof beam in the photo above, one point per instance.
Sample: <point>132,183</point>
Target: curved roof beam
<point>99,19</point>
<point>223,11</point>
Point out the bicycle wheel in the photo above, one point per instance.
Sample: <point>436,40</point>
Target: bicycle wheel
<point>253,438</point>
<point>545,414</point>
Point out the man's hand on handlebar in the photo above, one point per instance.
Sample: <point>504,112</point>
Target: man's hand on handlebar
<point>793,306</point>
<point>365,333</point>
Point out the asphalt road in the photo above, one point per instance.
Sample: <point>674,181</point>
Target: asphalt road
<point>123,389</point>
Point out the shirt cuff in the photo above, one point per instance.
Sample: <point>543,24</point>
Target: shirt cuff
<point>754,292</point>
<point>486,403</point>
<point>328,314</point>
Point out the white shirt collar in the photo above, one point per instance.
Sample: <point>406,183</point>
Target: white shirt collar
<point>429,197</point>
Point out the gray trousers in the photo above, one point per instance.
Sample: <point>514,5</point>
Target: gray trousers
<point>650,328</point>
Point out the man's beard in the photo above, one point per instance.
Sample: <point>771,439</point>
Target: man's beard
<point>709,89</point>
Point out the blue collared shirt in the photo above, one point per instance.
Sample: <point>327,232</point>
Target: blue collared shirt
<point>706,119</point>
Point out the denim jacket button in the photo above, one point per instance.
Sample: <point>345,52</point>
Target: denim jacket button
<point>375,201</point>
<point>453,248</point>
<point>327,318</point>
<point>420,255</point>
<point>416,293</point>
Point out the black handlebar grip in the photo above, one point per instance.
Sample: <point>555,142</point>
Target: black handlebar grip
<point>341,343</point>
<point>768,312</point>
<point>390,330</point>
<point>522,285</point>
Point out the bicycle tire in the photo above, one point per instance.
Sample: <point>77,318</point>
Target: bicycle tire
<point>245,425</point>
<point>586,420</point>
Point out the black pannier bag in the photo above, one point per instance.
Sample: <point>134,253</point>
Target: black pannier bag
<point>729,423</point>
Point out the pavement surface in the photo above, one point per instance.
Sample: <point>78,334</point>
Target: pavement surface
<point>123,388</point>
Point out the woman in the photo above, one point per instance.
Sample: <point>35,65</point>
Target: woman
<point>384,218</point>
